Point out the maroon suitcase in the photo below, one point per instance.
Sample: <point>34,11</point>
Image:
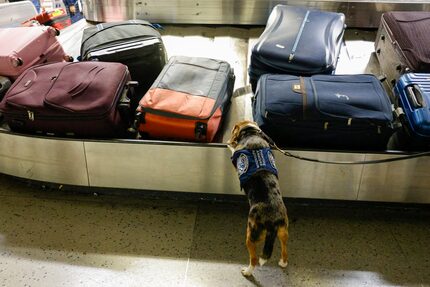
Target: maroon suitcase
<point>69,99</point>
<point>23,47</point>
<point>402,43</point>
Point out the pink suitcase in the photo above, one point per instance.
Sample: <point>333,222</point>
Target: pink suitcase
<point>23,47</point>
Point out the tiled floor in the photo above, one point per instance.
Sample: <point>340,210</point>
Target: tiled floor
<point>55,238</point>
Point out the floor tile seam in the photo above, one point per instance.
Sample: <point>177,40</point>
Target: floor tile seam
<point>197,211</point>
<point>402,251</point>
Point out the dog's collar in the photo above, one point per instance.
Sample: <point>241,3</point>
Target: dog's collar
<point>248,162</point>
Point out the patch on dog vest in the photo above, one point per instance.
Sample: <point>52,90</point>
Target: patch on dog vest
<point>248,162</point>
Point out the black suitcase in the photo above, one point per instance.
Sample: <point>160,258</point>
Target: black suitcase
<point>324,111</point>
<point>135,43</point>
<point>402,44</point>
<point>298,41</point>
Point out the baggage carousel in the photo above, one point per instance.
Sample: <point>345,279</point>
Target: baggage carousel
<point>144,165</point>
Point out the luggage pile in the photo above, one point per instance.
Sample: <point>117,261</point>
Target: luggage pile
<point>402,48</point>
<point>299,102</point>
<point>124,86</point>
<point>122,71</point>
<point>298,106</point>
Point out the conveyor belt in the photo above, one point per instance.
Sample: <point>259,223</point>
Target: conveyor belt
<point>206,168</point>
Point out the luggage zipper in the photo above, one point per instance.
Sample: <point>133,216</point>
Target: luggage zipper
<point>299,35</point>
<point>169,114</point>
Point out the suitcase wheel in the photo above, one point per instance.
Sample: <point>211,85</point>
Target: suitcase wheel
<point>54,31</point>
<point>16,62</point>
<point>68,58</point>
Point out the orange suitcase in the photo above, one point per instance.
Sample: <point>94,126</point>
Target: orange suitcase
<point>188,100</point>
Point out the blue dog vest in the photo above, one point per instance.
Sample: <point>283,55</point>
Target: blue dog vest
<point>248,162</point>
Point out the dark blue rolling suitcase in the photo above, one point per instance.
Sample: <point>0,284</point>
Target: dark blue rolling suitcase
<point>324,111</point>
<point>412,93</point>
<point>298,41</point>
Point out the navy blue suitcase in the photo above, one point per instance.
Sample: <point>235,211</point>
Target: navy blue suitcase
<point>298,41</point>
<point>324,111</point>
<point>412,93</point>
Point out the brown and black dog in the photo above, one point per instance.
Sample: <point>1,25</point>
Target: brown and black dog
<point>267,218</point>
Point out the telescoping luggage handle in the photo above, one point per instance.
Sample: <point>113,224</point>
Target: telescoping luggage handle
<point>299,35</point>
<point>415,98</point>
<point>120,48</point>
<point>414,94</point>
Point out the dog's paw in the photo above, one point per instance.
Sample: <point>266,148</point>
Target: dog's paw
<point>282,263</point>
<point>262,261</point>
<point>247,271</point>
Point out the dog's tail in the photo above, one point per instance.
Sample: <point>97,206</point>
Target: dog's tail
<point>271,233</point>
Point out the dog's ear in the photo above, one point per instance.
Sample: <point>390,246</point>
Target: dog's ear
<point>237,130</point>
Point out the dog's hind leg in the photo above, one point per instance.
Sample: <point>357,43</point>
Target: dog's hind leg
<point>252,236</point>
<point>283,238</point>
<point>268,245</point>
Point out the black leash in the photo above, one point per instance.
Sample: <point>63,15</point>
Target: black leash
<point>286,153</point>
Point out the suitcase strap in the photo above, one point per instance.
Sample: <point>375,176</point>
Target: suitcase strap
<point>299,35</point>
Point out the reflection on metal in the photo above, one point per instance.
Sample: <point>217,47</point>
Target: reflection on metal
<point>167,167</point>
<point>309,180</point>
<point>206,168</point>
<point>358,13</point>
<point>42,159</point>
<point>404,181</point>
<point>180,167</point>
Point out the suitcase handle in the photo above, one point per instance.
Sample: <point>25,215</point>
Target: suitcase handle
<point>414,94</point>
<point>124,103</point>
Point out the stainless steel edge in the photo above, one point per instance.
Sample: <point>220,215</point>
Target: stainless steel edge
<point>49,160</point>
<point>206,168</point>
<point>182,168</point>
<point>402,181</point>
<point>304,179</point>
<point>358,13</point>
